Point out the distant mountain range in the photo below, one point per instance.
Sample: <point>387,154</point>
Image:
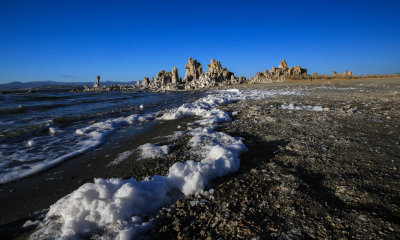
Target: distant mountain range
<point>40,84</point>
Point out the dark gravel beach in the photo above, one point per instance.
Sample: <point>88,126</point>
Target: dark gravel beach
<point>327,174</point>
<point>307,174</point>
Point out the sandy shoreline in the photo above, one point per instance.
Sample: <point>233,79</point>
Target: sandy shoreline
<point>318,174</point>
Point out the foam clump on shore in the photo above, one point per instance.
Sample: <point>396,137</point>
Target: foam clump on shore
<point>114,208</point>
<point>298,107</point>
<point>121,157</point>
<point>149,150</point>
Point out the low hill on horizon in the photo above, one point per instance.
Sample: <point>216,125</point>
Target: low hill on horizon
<point>37,84</point>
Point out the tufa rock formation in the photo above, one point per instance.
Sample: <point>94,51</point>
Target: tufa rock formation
<point>194,78</point>
<point>145,83</point>
<point>214,76</point>
<point>107,88</point>
<point>166,81</point>
<point>175,76</point>
<point>215,71</point>
<point>283,65</point>
<point>278,74</point>
<point>193,70</point>
<point>345,74</point>
<point>348,73</point>
<point>137,85</point>
<point>97,84</point>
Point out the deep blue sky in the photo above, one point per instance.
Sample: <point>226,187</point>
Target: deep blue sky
<point>127,40</point>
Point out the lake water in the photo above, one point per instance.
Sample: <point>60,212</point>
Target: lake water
<point>40,130</point>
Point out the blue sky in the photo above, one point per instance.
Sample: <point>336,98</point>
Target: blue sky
<point>128,40</point>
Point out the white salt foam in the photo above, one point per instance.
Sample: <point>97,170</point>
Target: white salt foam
<point>291,106</point>
<point>149,150</point>
<point>85,139</point>
<point>121,157</point>
<point>31,143</point>
<point>114,208</point>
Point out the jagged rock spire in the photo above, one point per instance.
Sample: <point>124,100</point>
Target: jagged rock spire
<point>97,84</point>
<point>146,82</point>
<point>283,65</point>
<point>193,69</point>
<point>175,76</point>
<point>279,74</point>
<point>215,71</point>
